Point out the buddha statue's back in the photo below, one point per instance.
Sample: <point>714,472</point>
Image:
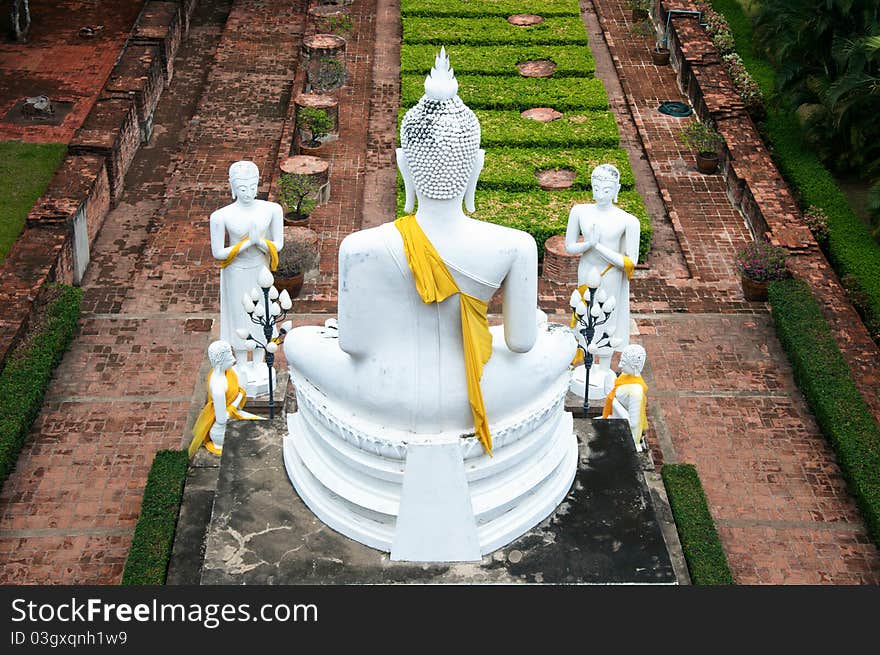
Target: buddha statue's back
<point>412,388</point>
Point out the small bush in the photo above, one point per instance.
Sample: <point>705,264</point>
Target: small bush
<point>817,220</point>
<point>571,61</point>
<point>701,136</point>
<point>150,551</point>
<point>705,557</point>
<point>562,30</point>
<point>515,93</point>
<point>476,8</point>
<point>824,378</point>
<point>762,261</point>
<point>28,369</point>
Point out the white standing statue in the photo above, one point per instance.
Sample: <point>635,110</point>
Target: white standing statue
<point>255,231</point>
<point>420,430</point>
<point>609,253</point>
<point>226,399</point>
<point>629,397</point>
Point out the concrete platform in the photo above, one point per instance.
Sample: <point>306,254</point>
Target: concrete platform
<point>605,531</point>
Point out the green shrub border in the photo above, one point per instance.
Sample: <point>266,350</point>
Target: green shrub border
<point>477,8</point>
<point>824,378</point>
<point>150,551</point>
<point>852,251</point>
<point>26,374</point>
<point>705,557</point>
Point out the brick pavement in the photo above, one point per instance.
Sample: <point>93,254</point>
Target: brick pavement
<point>722,391</point>
<point>59,63</point>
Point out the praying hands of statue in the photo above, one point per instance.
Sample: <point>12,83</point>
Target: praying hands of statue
<point>591,239</point>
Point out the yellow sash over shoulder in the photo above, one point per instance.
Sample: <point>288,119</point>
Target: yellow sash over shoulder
<point>622,379</point>
<point>434,284</point>
<point>207,417</point>
<point>273,253</point>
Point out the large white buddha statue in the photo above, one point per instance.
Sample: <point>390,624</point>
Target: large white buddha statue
<point>420,430</point>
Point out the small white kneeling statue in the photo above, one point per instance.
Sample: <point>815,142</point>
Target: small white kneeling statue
<point>255,229</point>
<point>611,248</point>
<point>419,429</point>
<point>629,397</point>
<point>225,400</point>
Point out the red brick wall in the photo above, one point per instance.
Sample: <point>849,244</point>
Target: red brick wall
<point>139,74</point>
<point>160,23</point>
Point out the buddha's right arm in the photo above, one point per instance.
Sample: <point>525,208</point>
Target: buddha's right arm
<point>572,232</point>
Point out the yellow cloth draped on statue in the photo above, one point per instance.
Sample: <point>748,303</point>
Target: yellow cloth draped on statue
<point>207,417</point>
<point>273,254</point>
<point>434,284</point>
<point>621,380</point>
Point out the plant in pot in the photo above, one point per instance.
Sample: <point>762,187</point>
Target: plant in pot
<point>296,194</point>
<point>706,140</point>
<point>329,74</point>
<point>660,55</point>
<point>294,259</point>
<point>759,264</point>
<point>314,123</point>
<point>640,8</point>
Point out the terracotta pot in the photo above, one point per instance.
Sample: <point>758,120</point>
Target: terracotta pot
<point>295,220</point>
<point>305,149</point>
<point>292,284</point>
<point>752,290</point>
<point>707,162</point>
<point>660,56</point>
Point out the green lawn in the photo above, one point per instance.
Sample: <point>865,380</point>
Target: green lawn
<point>25,169</point>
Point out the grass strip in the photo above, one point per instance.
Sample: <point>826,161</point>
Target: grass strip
<point>705,557</point>
<point>559,30</point>
<point>150,551</point>
<point>29,367</point>
<point>853,252</point>
<point>516,93</point>
<point>571,61</point>
<point>505,8</point>
<point>26,169</point>
<point>544,214</point>
<point>824,378</point>
<point>515,169</point>
<point>576,129</point>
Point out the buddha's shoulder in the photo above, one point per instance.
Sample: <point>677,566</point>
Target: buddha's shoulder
<point>500,233</point>
<point>366,240</point>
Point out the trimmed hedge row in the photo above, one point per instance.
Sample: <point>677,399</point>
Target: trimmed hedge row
<point>503,8</point>
<point>544,214</point>
<point>824,378</point>
<point>150,552</point>
<point>588,129</point>
<point>852,251</point>
<point>27,372</point>
<point>705,557</point>
<point>558,30</point>
<point>571,61</point>
<point>515,169</point>
<point>516,93</point>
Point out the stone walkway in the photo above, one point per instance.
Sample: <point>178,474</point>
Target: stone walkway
<point>722,390</point>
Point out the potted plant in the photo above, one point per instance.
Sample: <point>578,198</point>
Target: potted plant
<point>316,124</point>
<point>759,264</point>
<point>329,74</point>
<point>296,194</point>
<point>640,8</point>
<point>660,55</point>
<point>298,255</point>
<point>706,140</point>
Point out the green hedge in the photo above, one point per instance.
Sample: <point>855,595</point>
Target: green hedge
<point>852,250</point>
<point>514,169</point>
<point>150,552</point>
<point>516,93</point>
<point>28,369</point>
<point>544,214</point>
<point>503,8</point>
<point>571,61</point>
<point>561,30</point>
<point>824,378</point>
<point>588,129</point>
<point>705,557</point>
